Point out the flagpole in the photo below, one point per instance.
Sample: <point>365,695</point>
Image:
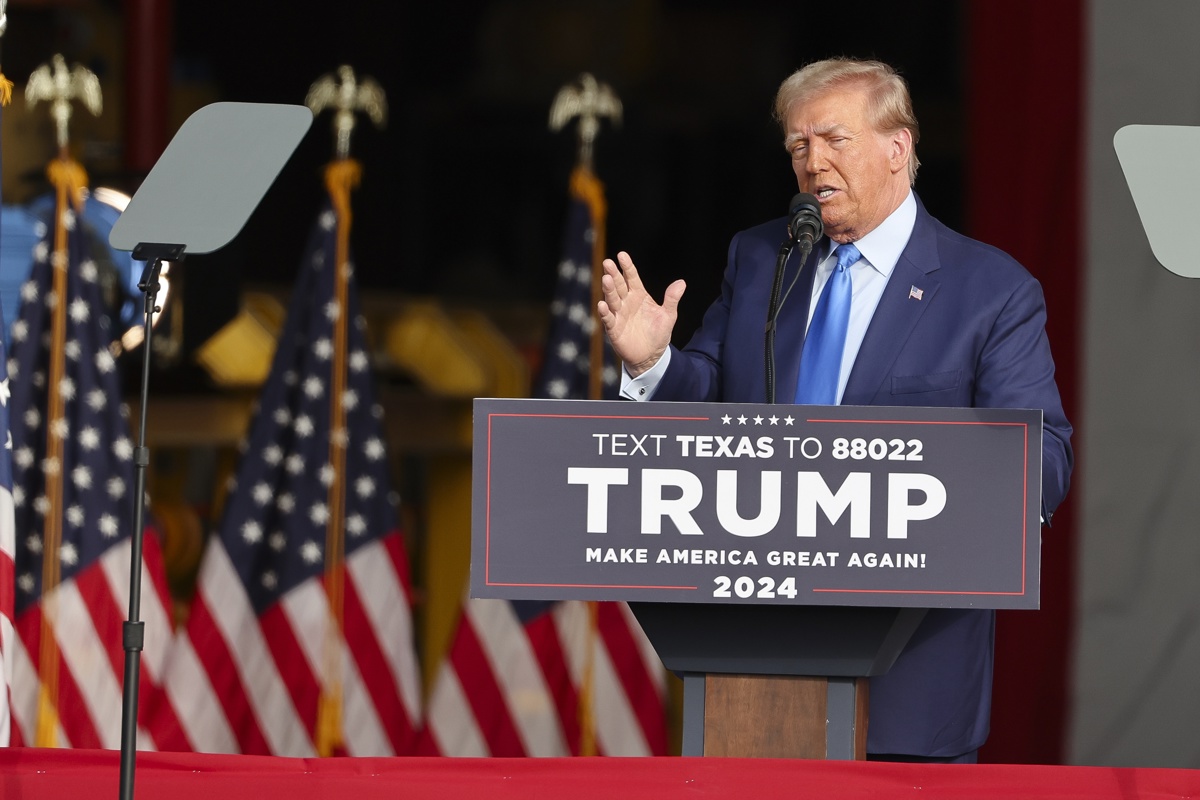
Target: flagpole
<point>340,177</point>
<point>594,196</point>
<point>589,101</point>
<point>58,85</point>
<point>60,172</point>
<point>346,93</point>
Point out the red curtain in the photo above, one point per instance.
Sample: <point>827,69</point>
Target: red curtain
<point>1025,168</point>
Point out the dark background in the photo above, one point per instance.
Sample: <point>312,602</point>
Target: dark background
<point>464,191</point>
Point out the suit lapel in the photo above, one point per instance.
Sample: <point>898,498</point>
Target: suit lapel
<point>908,293</point>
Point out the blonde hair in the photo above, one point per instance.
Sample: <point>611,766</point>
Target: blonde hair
<point>888,101</point>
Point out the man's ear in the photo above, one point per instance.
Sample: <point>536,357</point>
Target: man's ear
<point>901,152</point>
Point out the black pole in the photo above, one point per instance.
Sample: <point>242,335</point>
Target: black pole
<point>805,245</point>
<point>133,630</point>
<point>785,250</point>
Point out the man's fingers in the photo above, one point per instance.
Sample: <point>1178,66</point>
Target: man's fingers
<point>629,272</point>
<point>613,272</point>
<point>608,290</point>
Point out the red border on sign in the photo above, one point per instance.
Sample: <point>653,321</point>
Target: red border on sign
<point>1024,511</point>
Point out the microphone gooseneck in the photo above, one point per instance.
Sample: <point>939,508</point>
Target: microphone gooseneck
<point>804,229</point>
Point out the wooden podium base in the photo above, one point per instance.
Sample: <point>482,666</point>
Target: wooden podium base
<point>776,681</point>
<point>779,716</point>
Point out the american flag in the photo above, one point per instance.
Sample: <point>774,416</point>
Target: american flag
<point>7,543</point>
<point>564,678</point>
<point>260,646</point>
<point>73,486</point>
<point>566,365</point>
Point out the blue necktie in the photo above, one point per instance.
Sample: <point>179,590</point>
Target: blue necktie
<point>821,359</point>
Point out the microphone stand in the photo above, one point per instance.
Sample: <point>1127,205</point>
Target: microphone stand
<point>805,244</point>
<point>133,630</point>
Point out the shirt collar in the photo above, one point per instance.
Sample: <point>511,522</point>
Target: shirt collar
<point>881,248</point>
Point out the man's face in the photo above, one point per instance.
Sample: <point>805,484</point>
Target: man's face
<point>859,174</point>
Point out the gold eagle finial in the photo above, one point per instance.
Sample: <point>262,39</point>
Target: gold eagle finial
<point>589,100</point>
<point>55,83</point>
<point>346,94</point>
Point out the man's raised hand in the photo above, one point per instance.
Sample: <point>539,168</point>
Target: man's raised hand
<point>638,327</point>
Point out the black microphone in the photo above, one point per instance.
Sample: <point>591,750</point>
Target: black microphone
<point>806,223</point>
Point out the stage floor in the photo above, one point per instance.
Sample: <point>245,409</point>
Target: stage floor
<point>38,774</point>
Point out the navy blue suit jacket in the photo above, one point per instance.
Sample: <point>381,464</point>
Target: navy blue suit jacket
<point>975,338</point>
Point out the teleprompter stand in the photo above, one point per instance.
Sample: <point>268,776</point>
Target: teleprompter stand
<point>195,200</point>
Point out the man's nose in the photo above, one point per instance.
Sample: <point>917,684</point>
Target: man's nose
<point>818,158</point>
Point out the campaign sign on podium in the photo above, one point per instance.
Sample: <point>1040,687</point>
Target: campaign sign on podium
<point>756,504</point>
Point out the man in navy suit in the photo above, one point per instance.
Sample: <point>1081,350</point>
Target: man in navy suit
<point>935,319</point>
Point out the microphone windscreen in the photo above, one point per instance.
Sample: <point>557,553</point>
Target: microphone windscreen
<point>805,213</point>
<point>804,200</point>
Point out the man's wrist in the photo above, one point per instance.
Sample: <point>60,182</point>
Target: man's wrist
<point>646,365</point>
<point>643,386</point>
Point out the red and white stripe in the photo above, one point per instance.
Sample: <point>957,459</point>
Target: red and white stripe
<point>89,613</point>
<point>7,594</point>
<point>508,689</point>
<point>249,684</point>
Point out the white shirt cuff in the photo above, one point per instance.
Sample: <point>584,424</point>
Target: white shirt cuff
<point>643,386</point>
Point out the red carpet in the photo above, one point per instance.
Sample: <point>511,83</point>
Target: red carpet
<point>32,774</point>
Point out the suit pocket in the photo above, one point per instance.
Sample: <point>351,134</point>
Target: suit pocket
<point>937,382</point>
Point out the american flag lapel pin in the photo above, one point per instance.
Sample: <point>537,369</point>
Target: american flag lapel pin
<point>915,294</point>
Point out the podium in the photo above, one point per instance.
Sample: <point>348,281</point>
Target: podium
<point>775,561</point>
<point>749,692</point>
